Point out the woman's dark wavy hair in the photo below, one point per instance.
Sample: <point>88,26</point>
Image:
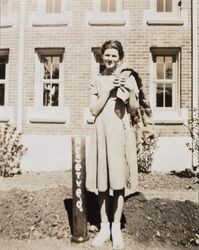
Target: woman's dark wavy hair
<point>113,44</point>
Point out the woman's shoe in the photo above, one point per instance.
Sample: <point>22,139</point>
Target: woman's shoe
<point>102,236</point>
<point>117,238</point>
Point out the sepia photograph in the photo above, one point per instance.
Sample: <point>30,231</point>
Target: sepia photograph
<point>99,124</point>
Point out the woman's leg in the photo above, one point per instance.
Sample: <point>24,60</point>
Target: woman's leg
<point>104,233</point>
<point>118,203</point>
<point>104,205</point>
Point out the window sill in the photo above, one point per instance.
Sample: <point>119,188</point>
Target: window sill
<point>48,115</point>
<point>169,21</point>
<point>153,18</point>
<point>170,117</point>
<point>45,20</point>
<point>96,19</point>
<point>6,114</point>
<point>8,21</point>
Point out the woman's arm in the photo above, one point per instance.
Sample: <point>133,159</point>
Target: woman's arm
<point>97,103</point>
<point>131,85</point>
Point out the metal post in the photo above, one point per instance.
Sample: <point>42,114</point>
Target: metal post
<point>79,233</point>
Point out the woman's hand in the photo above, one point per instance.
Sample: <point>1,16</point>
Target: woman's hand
<point>130,83</point>
<point>112,84</point>
<point>123,94</point>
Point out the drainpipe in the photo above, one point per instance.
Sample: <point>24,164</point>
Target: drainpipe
<point>195,88</point>
<point>20,66</point>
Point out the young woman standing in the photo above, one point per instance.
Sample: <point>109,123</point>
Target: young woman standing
<point>112,163</point>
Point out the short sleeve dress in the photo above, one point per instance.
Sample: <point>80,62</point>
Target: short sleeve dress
<point>112,157</point>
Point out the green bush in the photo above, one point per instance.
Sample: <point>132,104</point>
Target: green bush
<point>11,150</point>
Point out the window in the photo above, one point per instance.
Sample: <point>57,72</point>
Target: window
<point>48,88</point>
<point>165,82</point>
<point>51,13</point>
<point>167,12</point>
<point>3,66</point>
<point>164,6</point>
<point>49,78</point>
<point>7,18</point>
<point>97,61</point>
<point>107,12</point>
<point>6,111</point>
<point>108,5</point>
<point>53,6</point>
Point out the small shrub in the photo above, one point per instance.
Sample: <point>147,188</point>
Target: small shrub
<point>145,154</point>
<point>187,173</point>
<point>11,150</point>
<point>193,127</point>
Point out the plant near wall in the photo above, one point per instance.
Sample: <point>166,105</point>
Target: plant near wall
<point>145,154</point>
<point>193,127</point>
<point>146,137</point>
<point>11,150</point>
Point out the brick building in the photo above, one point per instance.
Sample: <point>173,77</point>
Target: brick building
<point>49,53</point>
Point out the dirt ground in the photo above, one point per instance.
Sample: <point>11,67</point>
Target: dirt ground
<point>36,209</point>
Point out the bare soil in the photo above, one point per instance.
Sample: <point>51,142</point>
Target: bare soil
<point>36,209</point>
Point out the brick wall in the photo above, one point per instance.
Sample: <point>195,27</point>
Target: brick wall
<point>77,39</point>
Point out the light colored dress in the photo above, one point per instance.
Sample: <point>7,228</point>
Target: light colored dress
<point>112,158</point>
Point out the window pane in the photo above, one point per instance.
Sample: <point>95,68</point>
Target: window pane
<point>2,68</point>
<point>160,95</point>
<point>55,94</point>
<point>46,94</point>
<point>50,94</point>
<point>160,67</point>
<point>160,5</point>
<point>168,95</point>
<point>55,68</point>
<point>49,6</point>
<point>104,5</point>
<point>2,94</point>
<point>112,5</point>
<point>47,67</point>
<point>57,6</point>
<point>168,7</point>
<point>168,67</point>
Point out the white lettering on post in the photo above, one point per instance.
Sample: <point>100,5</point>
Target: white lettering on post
<point>78,167</point>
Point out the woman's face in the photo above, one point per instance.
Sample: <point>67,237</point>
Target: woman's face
<point>111,58</point>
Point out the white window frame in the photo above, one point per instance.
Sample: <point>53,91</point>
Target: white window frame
<point>174,114</point>
<point>118,18</point>
<point>175,9</point>
<point>9,19</point>
<point>97,8</point>
<point>39,80</point>
<point>173,82</point>
<point>178,16</point>
<point>41,18</point>
<point>6,112</point>
<point>50,114</point>
<point>5,81</point>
